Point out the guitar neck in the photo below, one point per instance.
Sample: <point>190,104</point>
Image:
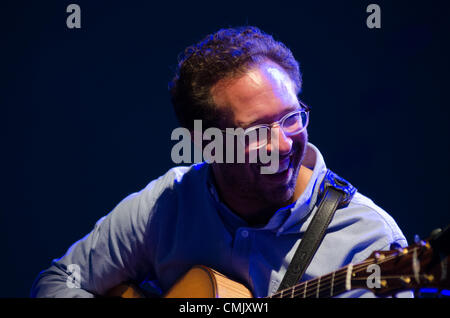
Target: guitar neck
<point>325,286</point>
<point>405,268</point>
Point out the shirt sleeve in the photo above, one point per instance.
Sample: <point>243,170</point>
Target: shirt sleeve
<point>376,230</point>
<point>115,251</point>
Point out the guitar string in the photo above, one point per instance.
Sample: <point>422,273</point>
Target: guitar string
<point>311,284</point>
<point>358,269</point>
<point>389,277</point>
<point>361,269</point>
<point>340,277</point>
<point>311,287</point>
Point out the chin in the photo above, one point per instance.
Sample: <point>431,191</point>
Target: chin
<point>281,193</point>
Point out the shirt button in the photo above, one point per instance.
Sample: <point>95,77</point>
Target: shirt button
<point>244,233</point>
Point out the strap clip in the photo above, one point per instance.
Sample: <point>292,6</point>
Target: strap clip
<point>332,180</point>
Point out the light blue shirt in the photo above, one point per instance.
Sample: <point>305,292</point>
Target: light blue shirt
<point>177,221</point>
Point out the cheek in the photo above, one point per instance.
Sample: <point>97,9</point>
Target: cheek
<point>300,140</point>
<point>299,144</point>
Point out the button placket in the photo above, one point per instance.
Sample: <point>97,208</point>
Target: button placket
<point>241,250</point>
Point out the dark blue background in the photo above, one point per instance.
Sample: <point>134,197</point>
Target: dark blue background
<point>86,116</point>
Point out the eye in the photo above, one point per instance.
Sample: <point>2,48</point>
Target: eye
<point>256,137</point>
<point>293,123</point>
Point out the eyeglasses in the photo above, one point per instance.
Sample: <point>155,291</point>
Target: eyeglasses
<point>293,123</point>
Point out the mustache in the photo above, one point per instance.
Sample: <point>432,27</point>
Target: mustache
<point>288,156</point>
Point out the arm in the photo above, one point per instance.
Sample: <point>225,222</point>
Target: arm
<point>116,250</point>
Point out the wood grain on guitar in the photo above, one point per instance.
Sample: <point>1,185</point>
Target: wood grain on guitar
<point>199,282</point>
<point>423,264</point>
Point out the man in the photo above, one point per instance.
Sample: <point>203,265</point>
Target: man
<point>228,216</point>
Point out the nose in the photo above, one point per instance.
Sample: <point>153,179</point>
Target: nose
<point>282,142</point>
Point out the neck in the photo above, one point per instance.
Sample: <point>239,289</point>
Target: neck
<point>254,210</point>
<point>303,178</point>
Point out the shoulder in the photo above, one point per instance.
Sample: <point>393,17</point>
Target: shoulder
<point>163,189</point>
<point>375,213</point>
<point>181,176</point>
<point>367,226</point>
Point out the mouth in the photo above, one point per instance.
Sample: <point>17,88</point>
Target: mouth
<point>284,172</point>
<point>284,164</point>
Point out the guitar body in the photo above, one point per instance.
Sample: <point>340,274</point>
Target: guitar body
<point>199,282</point>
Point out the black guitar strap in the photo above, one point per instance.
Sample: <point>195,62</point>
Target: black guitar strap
<point>334,193</point>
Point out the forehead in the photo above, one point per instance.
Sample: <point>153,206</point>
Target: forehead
<point>260,95</point>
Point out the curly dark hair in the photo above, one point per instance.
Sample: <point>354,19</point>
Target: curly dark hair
<point>224,54</point>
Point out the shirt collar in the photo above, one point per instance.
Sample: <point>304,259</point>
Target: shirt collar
<point>305,203</point>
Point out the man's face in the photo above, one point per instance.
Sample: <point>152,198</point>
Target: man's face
<point>263,95</point>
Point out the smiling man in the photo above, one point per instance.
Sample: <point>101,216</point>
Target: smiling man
<point>264,94</point>
<point>227,216</point>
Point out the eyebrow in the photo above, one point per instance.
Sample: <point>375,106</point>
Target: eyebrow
<point>268,120</point>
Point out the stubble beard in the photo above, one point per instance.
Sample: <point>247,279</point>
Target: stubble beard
<point>254,186</point>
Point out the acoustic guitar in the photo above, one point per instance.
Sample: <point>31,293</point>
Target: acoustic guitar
<point>423,264</point>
